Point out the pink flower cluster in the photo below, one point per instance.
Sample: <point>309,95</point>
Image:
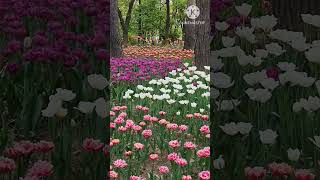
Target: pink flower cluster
<point>40,169</point>
<point>278,170</point>
<point>7,165</point>
<point>25,148</point>
<point>145,131</point>
<point>92,145</point>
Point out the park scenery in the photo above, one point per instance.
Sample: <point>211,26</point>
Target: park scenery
<point>165,90</point>
<point>159,118</point>
<point>266,90</point>
<point>53,89</point>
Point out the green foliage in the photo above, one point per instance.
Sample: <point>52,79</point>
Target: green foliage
<point>152,15</point>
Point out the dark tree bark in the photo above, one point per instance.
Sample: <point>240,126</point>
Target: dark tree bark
<point>115,39</point>
<point>140,21</point>
<point>202,35</point>
<point>167,30</point>
<point>288,13</point>
<point>125,23</point>
<point>189,32</point>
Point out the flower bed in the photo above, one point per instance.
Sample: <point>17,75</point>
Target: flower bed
<point>133,70</point>
<point>47,49</point>
<point>160,53</point>
<point>162,125</point>
<point>266,92</point>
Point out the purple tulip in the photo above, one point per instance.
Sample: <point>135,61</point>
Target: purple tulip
<point>12,68</point>
<point>234,21</point>
<point>102,54</point>
<point>273,73</point>
<point>133,70</point>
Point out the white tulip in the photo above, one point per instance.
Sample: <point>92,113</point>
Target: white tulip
<point>311,19</point>
<point>229,52</point>
<point>246,33</point>
<point>227,105</point>
<point>286,66</point>
<point>221,26</point>
<point>275,48</point>
<point>264,22</point>
<point>228,41</point>
<point>245,60</point>
<point>244,9</point>
<point>219,163</point>
<point>268,136</point>
<point>244,128</point>
<point>230,128</point>
<point>300,45</point>
<point>255,77</point>
<point>269,83</point>
<point>86,107</point>
<point>171,101</point>
<point>262,53</point>
<point>313,55</point>
<point>192,68</point>
<point>260,95</point>
<point>221,80</point>
<point>97,81</point>
<point>216,64</point>
<point>101,107</point>
<point>65,95</point>
<point>293,154</point>
<point>54,106</point>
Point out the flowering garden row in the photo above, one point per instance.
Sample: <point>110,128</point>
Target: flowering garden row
<point>266,90</point>
<point>163,125</point>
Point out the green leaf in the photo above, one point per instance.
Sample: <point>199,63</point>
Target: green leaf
<point>37,112</point>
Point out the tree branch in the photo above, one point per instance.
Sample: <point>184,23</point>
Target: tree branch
<point>128,18</point>
<point>121,19</point>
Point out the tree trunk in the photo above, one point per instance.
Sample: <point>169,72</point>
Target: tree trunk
<point>289,13</point>
<point>115,40</point>
<point>140,21</point>
<point>202,35</point>
<point>167,21</point>
<point>189,32</point>
<point>125,36</point>
<point>125,23</point>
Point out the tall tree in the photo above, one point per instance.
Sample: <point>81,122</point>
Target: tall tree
<point>189,32</point>
<point>202,35</point>
<point>167,30</point>
<point>140,20</point>
<point>125,23</point>
<point>115,44</point>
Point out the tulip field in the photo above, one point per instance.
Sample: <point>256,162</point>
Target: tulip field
<point>155,52</point>
<point>54,89</point>
<point>159,120</point>
<point>139,99</point>
<point>266,94</point>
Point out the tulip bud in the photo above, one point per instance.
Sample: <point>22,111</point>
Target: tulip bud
<point>293,154</point>
<point>219,163</point>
